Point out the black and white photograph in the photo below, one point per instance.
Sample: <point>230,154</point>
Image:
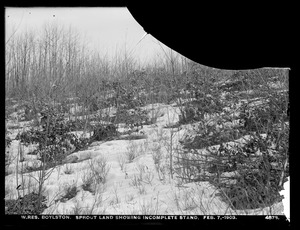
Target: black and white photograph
<point>102,118</point>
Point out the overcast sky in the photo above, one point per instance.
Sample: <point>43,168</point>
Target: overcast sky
<point>104,28</point>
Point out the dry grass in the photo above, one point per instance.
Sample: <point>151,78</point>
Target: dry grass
<point>133,151</point>
<point>96,175</point>
<point>68,169</point>
<point>70,191</point>
<point>122,162</point>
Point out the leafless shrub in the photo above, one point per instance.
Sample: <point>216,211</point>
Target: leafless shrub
<point>122,162</point>
<point>99,169</point>
<point>132,151</point>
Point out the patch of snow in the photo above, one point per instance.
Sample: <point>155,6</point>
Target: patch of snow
<point>286,200</point>
<point>154,194</point>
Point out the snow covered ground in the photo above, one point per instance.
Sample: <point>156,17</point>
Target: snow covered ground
<point>286,201</point>
<point>131,186</point>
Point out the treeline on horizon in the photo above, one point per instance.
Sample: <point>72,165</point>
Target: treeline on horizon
<point>56,56</point>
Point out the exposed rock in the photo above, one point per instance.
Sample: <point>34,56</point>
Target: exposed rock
<point>85,155</point>
<point>70,159</point>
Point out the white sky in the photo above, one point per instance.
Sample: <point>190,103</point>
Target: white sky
<point>103,28</point>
